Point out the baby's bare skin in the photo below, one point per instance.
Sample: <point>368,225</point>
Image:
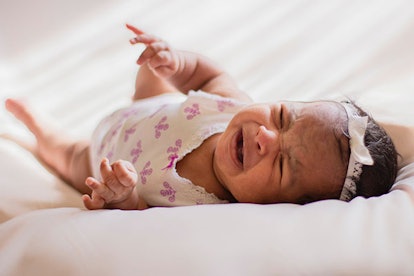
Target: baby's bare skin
<point>64,156</point>
<point>115,190</point>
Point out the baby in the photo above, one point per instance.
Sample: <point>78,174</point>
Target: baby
<point>174,146</point>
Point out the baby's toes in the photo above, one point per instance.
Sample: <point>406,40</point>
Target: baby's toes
<point>23,113</point>
<point>125,172</point>
<point>39,125</point>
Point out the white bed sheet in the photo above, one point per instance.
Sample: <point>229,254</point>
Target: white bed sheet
<point>72,60</point>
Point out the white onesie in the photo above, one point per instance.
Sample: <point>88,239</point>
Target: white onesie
<point>154,134</point>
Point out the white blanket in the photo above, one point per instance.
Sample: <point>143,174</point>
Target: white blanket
<point>72,60</point>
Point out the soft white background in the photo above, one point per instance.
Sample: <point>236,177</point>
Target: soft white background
<point>71,52</point>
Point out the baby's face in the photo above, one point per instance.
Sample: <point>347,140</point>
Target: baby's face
<point>284,152</point>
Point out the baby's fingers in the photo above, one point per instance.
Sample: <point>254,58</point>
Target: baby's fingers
<point>152,51</point>
<point>163,63</point>
<point>144,38</point>
<point>110,179</point>
<point>134,29</point>
<point>141,36</point>
<point>125,173</point>
<point>106,170</point>
<point>99,188</point>
<point>93,203</point>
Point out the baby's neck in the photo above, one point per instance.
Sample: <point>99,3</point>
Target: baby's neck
<point>197,166</point>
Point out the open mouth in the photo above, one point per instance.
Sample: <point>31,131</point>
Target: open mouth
<point>239,147</point>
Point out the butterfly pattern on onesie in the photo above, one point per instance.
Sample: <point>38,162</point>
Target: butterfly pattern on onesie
<point>154,134</point>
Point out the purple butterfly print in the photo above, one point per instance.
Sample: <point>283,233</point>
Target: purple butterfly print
<point>146,171</point>
<point>110,154</point>
<point>222,104</point>
<point>161,126</point>
<point>129,113</point>
<point>114,131</point>
<point>129,131</point>
<point>109,137</point>
<point>192,111</point>
<point>136,152</point>
<point>173,153</point>
<point>169,191</point>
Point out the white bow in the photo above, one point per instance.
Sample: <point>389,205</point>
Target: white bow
<point>359,155</point>
<point>356,129</point>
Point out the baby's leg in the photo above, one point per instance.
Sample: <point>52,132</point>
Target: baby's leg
<point>147,84</point>
<point>67,157</point>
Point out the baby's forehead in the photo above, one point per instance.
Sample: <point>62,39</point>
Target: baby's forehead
<point>329,115</point>
<point>324,124</point>
<point>330,112</point>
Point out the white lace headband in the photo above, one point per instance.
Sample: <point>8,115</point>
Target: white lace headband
<point>359,155</point>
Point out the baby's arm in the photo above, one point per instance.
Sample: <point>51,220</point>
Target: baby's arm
<point>403,138</point>
<point>185,70</point>
<point>117,189</point>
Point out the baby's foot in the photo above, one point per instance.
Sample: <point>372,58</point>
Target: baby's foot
<point>23,113</point>
<point>49,141</point>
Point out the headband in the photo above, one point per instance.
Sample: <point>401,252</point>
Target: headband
<point>359,155</point>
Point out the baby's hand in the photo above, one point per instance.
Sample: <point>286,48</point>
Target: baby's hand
<point>158,55</point>
<point>117,189</point>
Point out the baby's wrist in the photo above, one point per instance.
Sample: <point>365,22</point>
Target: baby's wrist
<point>130,203</point>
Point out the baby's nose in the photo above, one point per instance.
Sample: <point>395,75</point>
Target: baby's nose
<point>267,140</point>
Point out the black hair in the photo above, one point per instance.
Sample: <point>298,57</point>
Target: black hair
<point>377,179</point>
